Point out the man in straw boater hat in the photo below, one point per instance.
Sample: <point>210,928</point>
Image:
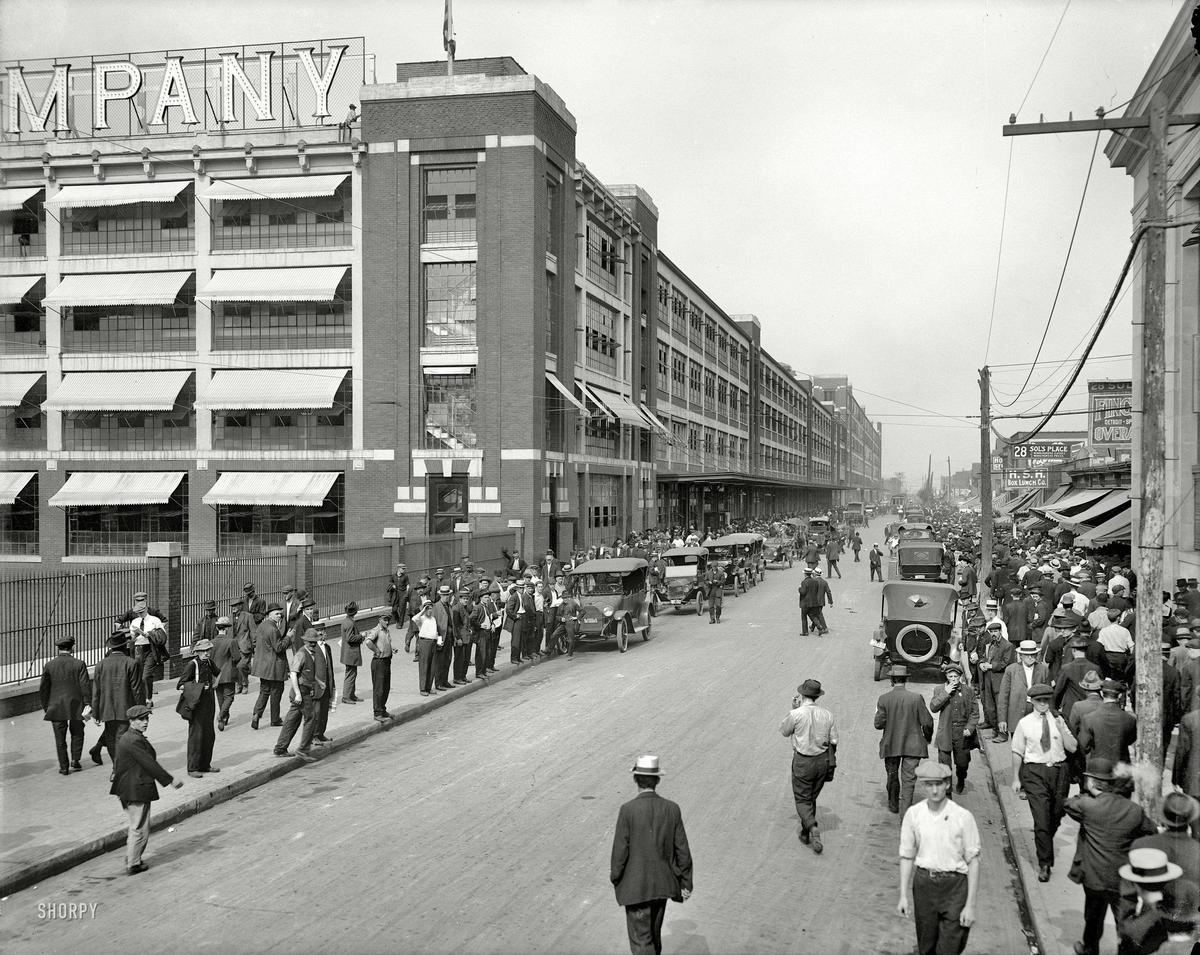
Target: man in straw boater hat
<point>939,864</point>
<point>651,861</point>
<point>1159,905</point>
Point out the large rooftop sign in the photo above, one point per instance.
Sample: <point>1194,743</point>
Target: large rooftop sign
<point>260,87</point>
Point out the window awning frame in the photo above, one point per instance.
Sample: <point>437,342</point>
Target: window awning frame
<point>272,488</point>
<point>622,407</point>
<point>275,187</point>
<point>118,488</point>
<point>117,288</point>
<point>117,194</point>
<point>118,391</point>
<point>655,424</point>
<point>304,389</point>
<point>14,386</point>
<point>12,483</point>
<point>14,198</point>
<point>15,288</point>
<point>566,393</point>
<point>309,284</point>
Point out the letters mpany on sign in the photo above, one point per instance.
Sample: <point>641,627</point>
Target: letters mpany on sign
<point>173,93</point>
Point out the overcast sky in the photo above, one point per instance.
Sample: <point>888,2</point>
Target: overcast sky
<point>837,168</point>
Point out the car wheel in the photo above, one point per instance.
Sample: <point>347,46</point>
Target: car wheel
<point>622,636</point>
<point>699,605</point>
<point>646,634</point>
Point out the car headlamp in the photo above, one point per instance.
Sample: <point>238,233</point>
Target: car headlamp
<point>608,611</point>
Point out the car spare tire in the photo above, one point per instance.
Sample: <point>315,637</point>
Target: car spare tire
<point>916,643</point>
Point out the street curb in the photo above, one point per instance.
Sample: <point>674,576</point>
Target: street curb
<point>60,862</point>
<point>1012,848</point>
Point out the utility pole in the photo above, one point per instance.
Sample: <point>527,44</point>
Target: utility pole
<point>1151,429</point>
<point>985,481</point>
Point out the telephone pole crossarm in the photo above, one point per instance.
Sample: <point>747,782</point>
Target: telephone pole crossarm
<point>1084,125</point>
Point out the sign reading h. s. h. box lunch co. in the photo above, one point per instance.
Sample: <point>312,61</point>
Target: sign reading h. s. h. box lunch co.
<point>264,86</point>
<point>1110,413</point>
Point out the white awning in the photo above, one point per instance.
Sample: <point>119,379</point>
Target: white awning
<point>13,288</point>
<point>13,199</point>
<point>116,194</point>
<point>117,488</point>
<point>623,408</point>
<point>118,288</point>
<point>654,422</point>
<point>274,285</point>
<point>566,393</point>
<point>1070,504</point>
<point>604,410</point>
<point>291,488</point>
<point>13,483</point>
<point>118,391</point>
<point>15,386</point>
<point>280,187</point>
<point>291,388</point>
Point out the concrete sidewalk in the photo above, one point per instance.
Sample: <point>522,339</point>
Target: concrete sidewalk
<point>1055,907</point>
<point>50,822</point>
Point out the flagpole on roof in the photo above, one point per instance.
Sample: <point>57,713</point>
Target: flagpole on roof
<point>448,36</point>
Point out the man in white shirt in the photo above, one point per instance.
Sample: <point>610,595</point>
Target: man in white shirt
<point>1040,744</point>
<point>1117,642</point>
<point>939,864</point>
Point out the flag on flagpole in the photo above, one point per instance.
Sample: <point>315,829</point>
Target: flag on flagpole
<point>448,28</point>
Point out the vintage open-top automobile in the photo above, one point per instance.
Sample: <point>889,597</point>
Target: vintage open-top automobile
<point>741,554</point>
<point>613,598</point>
<point>916,624</point>
<point>683,579</point>
<point>778,550</point>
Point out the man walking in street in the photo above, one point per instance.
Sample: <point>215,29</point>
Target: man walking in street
<point>813,596</point>
<point>957,716</point>
<point>225,660</point>
<point>378,643</point>
<point>833,553</point>
<point>907,727</point>
<point>310,676</point>
<point>328,702</point>
<point>116,686</point>
<point>939,865</point>
<point>814,741</point>
<point>66,697</point>
<point>136,771</point>
<point>875,557</point>
<point>651,861</point>
<point>270,665</point>
<point>714,591</point>
<point>1040,745</point>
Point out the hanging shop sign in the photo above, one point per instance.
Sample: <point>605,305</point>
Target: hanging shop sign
<point>1110,413</point>
<point>1039,453</point>
<point>265,86</point>
<point>1016,479</point>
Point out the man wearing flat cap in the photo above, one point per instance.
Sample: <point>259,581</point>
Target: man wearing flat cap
<point>814,740</point>
<point>957,717</point>
<point>939,864</point>
<point>66,697</point>
<point>1040,744</point>
<point>206,626</point>
<point>116,686</point>
<point>651,861</point>
<point>1108,824</point>
<point>226,658</point>
<point>136,771</point>
<point>311,678</point>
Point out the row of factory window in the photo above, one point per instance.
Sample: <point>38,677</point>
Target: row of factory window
<point>687,382</point>
<point>123,530</point>
<point>687,322</point>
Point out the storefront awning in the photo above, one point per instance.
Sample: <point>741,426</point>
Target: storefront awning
<point>623,408</point>
<point>118,288</point>
<point>118,391</point>
<point>601,408</point>
<point>566,393</point>
<point>279,187</point>
<point>13,288</point>
<point>116,194</point>
<point>1098,512</point>
<point>117,488</point>
<point>290,488</point>
<point>291,388</point>
<point>654,422</point>
<point>1116,529</point>
<point>13,483</point>
<point>14,387</point>
<point>1016,504</point>
<point>13,199</point>
<point>274,285</point>
<point>1068,505</point>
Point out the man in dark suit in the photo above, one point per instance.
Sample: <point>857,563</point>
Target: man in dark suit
<point>270,665</point>
<point>351,648</point>
<point>651,861</point>
<point>995,654</point>
<point>136,770</point>
<point>1013,700</point>
<point>256,606</point>
<point>116,686</point>
<point>325,703</point>
<point>225,658</point>
<point>1108,730</point>
<point>907,729</point>
<point>1068,687</point>
<point>243,635</point>
<point>66,696</point>
<point>1108,824</point>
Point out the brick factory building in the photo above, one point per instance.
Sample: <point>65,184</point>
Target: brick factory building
<point>231,311</point>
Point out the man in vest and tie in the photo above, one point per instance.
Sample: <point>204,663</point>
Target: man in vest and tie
<point>311,676</point>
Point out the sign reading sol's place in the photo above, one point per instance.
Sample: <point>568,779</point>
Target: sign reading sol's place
<point>265,86</point>
<point>1110,413</point>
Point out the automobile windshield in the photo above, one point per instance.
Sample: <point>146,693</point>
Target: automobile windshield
<point>915,534</point>
<point>592,584</point>
<point>720,553</point>
<point>683,560</point>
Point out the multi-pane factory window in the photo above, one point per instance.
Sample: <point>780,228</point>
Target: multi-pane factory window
<point>23,324</point>
<point>23,428</point>
<point>600,341</point>
<point>449,291</point>
<point>255,529</point>
<point>320,429</point>
<point>19,521</point>
<point>244,326</point>
<point>451,422</point>
<point>133,430</point>
<point>132,328</point>
<point>138,227</point>
<point>602,256</point>
<point>124,531</point>
<point>303,223</point>
<point>449,205</point>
